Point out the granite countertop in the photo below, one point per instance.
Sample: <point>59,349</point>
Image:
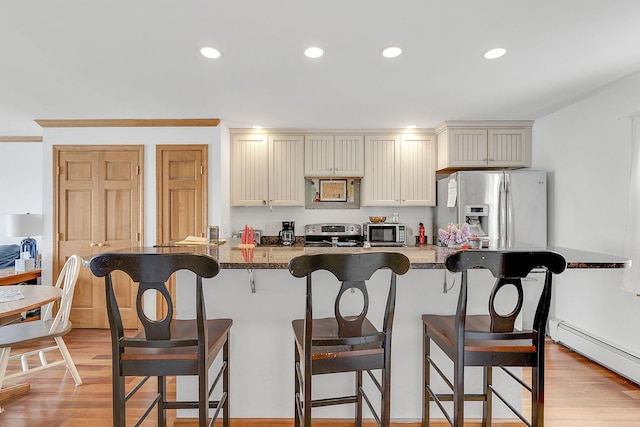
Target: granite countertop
<point>421,257</point>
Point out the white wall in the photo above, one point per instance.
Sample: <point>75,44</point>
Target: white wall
<point>586,148</point>
<point>21,189</point>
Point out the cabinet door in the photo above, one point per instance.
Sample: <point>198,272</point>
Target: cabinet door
<point>318,155</point>
<point>381,181</point>
<point>418,170</point>
<point>249,170</point>
<point>286,170</point>
<point>508,147</point>
<point>348,155</point>
<point>467,148</point>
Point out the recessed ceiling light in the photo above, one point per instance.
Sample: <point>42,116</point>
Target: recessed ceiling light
<point>313,52</point>
<point>412,126</point>
<point>210,52</point>
<point>391,52</point>
<point>495,53</point>
<point>257,126</point>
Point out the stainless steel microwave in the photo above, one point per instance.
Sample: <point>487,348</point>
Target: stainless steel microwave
<point>384,234</point>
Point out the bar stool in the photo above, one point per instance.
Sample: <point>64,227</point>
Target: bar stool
<point>345,343</point>
<point>492,339</point>
<point>165,347</point>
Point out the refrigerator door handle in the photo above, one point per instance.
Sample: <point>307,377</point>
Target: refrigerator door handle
<point>509,222</point>
<point>501,212</point>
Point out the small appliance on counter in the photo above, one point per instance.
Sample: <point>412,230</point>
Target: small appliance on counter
<point>333,235</point>
<point>384,234</point>
<point>287,235</point>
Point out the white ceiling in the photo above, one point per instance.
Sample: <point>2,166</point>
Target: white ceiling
<point>78,59</point>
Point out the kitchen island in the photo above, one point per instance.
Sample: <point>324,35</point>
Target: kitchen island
<point>262,375</point>
<point>421,257</point>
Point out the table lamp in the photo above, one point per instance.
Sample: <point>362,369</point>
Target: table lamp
<point>21,225</point>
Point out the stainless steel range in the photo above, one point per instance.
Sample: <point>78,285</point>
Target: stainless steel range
<point>328,235</point>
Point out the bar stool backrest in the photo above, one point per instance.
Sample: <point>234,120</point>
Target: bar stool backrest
<point>509,268</point>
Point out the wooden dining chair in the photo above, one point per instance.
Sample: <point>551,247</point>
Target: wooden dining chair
<point>43,331</point>
<point>492,339</point>
<point>340,343</point>
<point>167,346</point>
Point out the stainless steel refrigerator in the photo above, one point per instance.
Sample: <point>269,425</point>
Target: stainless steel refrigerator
<point>507,208</point>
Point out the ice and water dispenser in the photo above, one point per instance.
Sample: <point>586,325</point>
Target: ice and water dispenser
<point>477,216</point>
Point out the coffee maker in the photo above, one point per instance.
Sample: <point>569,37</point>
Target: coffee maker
<point>287,236</point>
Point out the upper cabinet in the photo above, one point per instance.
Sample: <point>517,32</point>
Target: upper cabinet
<point>484,144</point>
<point>267,170</point>
<point>334,156</point>
<point>399,170</point>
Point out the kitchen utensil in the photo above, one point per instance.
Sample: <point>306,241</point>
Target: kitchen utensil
<point>247,238</point>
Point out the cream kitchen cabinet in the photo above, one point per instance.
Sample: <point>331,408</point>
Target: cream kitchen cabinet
<point>464,145</point>
<point>334,156</point>
<point>399,170</point>
<point>267,170</point>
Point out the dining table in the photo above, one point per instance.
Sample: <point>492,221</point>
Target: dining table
<point>17,299</point>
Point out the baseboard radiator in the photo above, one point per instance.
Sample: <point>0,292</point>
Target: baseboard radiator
<point>597,349</point>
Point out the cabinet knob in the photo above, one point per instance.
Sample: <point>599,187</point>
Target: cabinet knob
<point>492,159</point>
<point>264,202</point>
<point>100,245</point>
<point>485,159</point>
<point>92,244</point>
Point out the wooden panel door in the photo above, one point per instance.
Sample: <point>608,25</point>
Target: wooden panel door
<point>182,191</point>
<point>181,188</point>
<point>98,199</point>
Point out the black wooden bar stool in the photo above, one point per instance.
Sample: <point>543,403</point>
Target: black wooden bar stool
<point>165,347</point>
<point>345,343</point>
<point>491,339</point>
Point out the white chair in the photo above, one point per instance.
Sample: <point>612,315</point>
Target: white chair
<point>45,328</point>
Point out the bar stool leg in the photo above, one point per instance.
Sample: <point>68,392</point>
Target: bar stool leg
<point>386,395</point>
<point>162,391</point>
<point>225,381</point>
<point>487,404</point>
<point>426,374</point>
<point>358,399</point>
<point>458,394</point>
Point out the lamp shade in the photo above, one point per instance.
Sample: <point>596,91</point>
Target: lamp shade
<point>24,225</point>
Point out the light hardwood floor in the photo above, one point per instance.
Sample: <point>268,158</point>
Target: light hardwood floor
<point>578,392</point>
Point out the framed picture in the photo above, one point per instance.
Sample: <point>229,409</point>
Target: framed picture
<point>333,190</point>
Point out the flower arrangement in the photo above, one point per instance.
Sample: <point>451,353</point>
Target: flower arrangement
<point>454,235</point>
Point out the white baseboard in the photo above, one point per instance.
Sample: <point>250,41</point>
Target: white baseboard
<point>620,361</point>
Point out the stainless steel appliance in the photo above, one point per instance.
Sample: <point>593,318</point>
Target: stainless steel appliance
<point>384,234</point>
<point>337,235</point>
<point>287,234</point>
<point>503,207</point>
